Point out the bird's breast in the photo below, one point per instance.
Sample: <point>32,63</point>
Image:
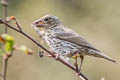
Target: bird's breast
<point>60,46</point>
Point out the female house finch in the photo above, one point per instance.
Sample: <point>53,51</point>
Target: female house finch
<point>64,41</point>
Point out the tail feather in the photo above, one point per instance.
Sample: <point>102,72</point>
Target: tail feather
<point>106,57</point>
<point>102,55</point>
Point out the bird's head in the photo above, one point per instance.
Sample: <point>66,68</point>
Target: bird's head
<point>47,22</point>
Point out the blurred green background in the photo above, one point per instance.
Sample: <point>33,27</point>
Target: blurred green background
<point>98,21</point>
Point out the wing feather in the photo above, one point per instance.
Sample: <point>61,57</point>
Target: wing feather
<point>73,37</point>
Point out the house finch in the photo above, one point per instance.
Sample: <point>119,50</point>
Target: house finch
<point>64,41</point>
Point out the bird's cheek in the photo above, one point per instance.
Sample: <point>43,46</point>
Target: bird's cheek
<point>46,25</point>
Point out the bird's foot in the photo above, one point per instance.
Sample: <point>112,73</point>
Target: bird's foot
<point>78,73</point>
<point>57,56</point>
<point>78,70</point>
<point>76,65</point>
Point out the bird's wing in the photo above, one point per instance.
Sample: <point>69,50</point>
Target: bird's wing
<point>73,37</point>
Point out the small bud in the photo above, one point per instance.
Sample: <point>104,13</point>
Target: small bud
<point>2,40</point>
<point>40,53</point>
<point>12,17</point>
<point>26,50</point>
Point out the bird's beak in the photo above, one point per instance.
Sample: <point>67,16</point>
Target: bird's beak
<point>38,24</point>
<point>41,23</point>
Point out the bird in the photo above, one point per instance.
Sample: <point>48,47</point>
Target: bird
<point>64,41</point>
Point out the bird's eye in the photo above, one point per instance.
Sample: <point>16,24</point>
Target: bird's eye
<point>46,19</point>
<point>37,23</point>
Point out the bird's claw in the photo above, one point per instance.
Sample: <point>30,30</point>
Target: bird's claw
<point>57,56</point>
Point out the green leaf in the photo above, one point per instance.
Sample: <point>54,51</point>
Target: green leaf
<point>9,46</point>
<point>9,42</point>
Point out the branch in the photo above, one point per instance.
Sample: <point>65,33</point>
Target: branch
<point>60,59</point>
<point>4,10</point>
<point>4,67</point>
<point>6,57</point>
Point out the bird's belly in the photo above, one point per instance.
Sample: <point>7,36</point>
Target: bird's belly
<point>61,47</point>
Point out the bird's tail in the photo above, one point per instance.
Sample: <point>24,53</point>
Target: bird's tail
<point>102,55</point>
<point>107,57</point>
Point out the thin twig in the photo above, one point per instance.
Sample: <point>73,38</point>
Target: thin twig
<point>4,67</point>
<point>6,57</point>
<point>18,26</point>
<point>82,76</point>
<point>4,10</point>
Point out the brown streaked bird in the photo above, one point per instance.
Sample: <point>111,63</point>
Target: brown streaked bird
<point>64,41</point>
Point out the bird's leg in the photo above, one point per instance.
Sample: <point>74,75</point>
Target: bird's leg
<point>75,57</point>
<point>76,65</point>
<point>82,58</point>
